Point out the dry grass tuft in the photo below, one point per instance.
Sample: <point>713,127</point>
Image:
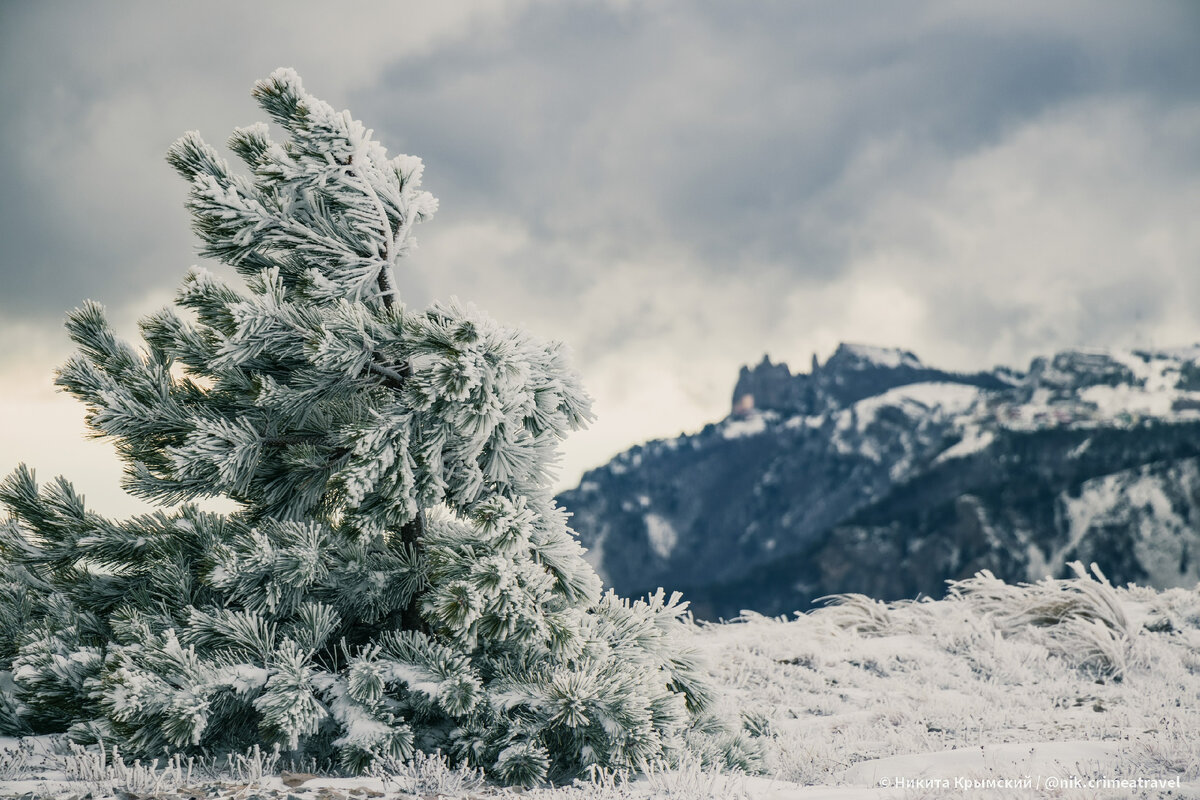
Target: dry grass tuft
<point>1083,617</point>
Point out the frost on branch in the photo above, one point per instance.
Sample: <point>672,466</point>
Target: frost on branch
<point>397,577</point>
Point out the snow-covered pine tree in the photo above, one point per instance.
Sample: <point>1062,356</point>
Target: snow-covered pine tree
<point>398,576</point>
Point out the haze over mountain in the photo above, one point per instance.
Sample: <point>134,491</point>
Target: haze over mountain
<point>877,473</point>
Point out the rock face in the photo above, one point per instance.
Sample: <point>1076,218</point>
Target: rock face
<point>852,373</point>
<point>875,473</point>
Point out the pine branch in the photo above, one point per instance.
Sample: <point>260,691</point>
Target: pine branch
<point>297,438</point>
<point>395,378</point>
<point>412,534</point>
<point>391,239</point>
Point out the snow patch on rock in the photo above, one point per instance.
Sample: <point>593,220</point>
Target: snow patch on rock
<point>739,428</point>
<point>888,357</point>
<point>974,439</point>
<point>661,534</point>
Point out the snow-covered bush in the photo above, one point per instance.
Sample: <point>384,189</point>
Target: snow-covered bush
<point>398,578</point>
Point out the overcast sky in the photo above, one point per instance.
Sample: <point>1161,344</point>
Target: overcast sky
<point>672,188</point>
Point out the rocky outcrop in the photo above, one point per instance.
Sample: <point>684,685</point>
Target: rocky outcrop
<point>852,373</point>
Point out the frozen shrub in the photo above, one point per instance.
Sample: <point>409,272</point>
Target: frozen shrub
<point>397,578</point>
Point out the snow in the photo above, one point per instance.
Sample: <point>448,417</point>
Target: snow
<point>951,399</point>
<point>661,534</point>
<point>889,357</point>
<point>739,428</point>
<point>1111,401</point>
<point>1154,393</point>
<point>246,677</point>
<point>961,767</point>
<point>1097,498</point>
<point>873,701</point>
<point>418,680</point>
<point>364,731</point>
<point>916,400</point>
<point>973,440</point>
<point>800,421</point>
<point>1147,492</point>
<point>938,693</point>
<point>1158,373</point>
<point>1135,498</point>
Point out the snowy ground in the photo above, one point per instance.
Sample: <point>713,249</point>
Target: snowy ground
<point>1043,691</point>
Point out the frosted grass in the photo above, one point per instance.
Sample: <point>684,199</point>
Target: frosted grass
<point>1060,679</point>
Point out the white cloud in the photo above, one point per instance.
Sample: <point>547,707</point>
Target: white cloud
<point>1070,231</point>
<point>51,439</point>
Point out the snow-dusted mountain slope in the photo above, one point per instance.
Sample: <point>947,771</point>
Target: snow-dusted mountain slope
<point>876,473</point>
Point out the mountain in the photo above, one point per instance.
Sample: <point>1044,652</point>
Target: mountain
<point>876,473</point>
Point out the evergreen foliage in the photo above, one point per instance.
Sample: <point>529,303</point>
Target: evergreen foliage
<point>398,577</point>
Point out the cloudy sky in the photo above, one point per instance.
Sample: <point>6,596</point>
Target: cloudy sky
<point>673,188</point>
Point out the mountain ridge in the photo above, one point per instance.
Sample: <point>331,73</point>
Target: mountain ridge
<point>877,473</point>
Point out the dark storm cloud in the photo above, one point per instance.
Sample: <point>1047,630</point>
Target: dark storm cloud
<point>93,94</point>
<point>89,207</point>
<point>732,131</point>
<point>670,187</point>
